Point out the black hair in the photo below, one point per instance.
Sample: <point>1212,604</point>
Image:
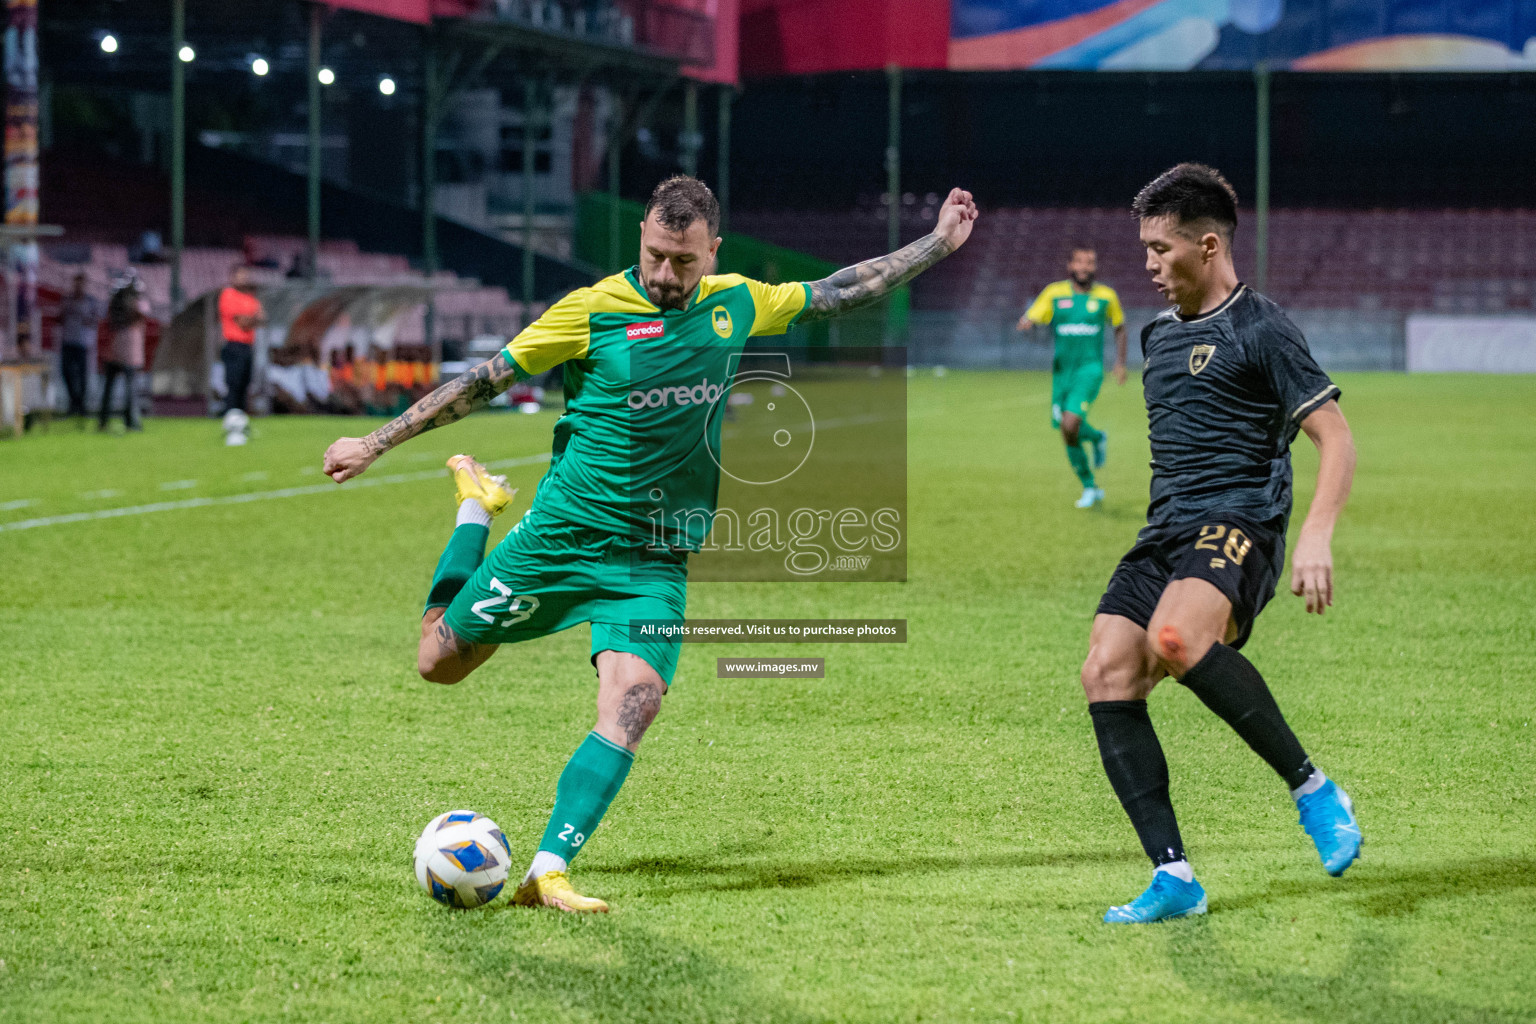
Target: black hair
<point>1190,193</point>
<point>681,200</point>
<point>1081,248</point>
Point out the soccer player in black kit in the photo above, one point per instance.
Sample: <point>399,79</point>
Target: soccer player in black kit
<point>1228,382</point>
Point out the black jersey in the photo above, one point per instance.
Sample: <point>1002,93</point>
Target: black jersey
<point>1226,392</point>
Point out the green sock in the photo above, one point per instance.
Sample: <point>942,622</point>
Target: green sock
<point>591,780</point>
<point>1088,434</point>
<point>1079,460</point>
<point>462,556</point>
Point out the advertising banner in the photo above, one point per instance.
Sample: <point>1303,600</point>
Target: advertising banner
<point>1181,35</point>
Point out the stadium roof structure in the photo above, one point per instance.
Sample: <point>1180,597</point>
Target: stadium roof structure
<point>425,50</point>
<point>362,40</point>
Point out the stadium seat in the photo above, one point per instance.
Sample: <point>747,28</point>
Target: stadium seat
<point>1319,258</point>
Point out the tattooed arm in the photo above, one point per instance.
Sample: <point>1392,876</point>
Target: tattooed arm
<point>451,402</point>
<point>872,280</point>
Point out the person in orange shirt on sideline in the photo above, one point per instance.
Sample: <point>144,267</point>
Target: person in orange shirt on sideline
<point>240,313</point>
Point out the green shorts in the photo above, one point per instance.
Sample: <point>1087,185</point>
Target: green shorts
<point>1074,389</point>
<point>548,574</point>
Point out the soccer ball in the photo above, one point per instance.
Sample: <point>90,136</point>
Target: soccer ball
<point>235,422</point>
<point>462,859</point>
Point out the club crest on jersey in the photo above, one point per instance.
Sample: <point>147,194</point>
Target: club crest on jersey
<point>721,318</point>
<point>1093,305</point>
<point>652,329</point>
<point>1199,356</point>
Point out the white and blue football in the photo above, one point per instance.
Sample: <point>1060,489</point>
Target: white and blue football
<point>462,859</point>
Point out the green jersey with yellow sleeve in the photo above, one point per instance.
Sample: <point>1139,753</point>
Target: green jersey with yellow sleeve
<point>645,390</point>
<point>1077,319</point>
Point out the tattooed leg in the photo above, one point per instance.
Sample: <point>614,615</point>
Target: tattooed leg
<point>445,657</point>
<point>628,697</point>
<point>638,710</point>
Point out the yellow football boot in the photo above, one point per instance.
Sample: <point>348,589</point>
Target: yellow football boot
<point>553,889</point>
<point>475,482</point>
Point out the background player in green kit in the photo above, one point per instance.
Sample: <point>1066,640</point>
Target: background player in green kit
<point>1077,311</point>
<point>648,354</point>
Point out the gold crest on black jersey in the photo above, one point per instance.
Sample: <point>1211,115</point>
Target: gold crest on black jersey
<point>1199,356</point>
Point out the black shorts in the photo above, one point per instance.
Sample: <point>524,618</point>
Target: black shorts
<point>1238,558</point>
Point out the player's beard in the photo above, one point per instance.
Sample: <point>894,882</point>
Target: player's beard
<point>666,296</point>
<point>1085,282</point>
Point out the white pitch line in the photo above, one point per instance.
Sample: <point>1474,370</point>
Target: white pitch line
<point>178,485</point>
<point>12,506</point>
<point>297,492</point>
<point>242,499</point>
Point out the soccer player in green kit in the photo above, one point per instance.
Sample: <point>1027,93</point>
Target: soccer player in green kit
<point>648,354</point>
<point>1077,311</point>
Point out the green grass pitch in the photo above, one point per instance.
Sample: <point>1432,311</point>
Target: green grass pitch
<point>215,753</point>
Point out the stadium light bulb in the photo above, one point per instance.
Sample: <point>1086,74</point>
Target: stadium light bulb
<point>260,67</point>
<point>109,43</point>
<point>186,54</point>
<point>326,76</point>
<point>387,86</point>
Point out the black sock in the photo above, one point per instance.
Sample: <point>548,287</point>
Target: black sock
<point>1230,686</point>
<point>1134,762</point>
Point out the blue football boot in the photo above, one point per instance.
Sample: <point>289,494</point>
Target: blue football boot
<point>1328,816</point>
<point>1100,450</point>
<point>1167,897</point>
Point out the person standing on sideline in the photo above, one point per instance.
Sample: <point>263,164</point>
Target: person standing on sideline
<point>128,319</point>
<point>79,319</point>
<point>240,313</point>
